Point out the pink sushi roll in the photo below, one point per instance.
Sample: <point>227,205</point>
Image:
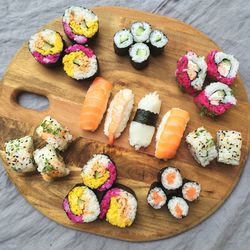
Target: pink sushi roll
<point>215,99</point>
<point>191,72</point>
<point>222,67</point>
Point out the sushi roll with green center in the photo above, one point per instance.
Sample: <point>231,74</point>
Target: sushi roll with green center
<point>141,31</point>
<point>178,207</point>
<point>157,41</point>
<point>191,190</point>
<point>139,55</point>
<point>123,39</point>
<point>156,197</point>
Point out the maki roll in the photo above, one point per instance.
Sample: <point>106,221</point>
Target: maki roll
<point>80,62</point>
<point>215,99</point>
<point>80,24</point>
<point>123,39</point>
<point>81,205</point>
<point>157,42</point>
<point>201,145</point>
<point>49,163</point>
<point>139,55</point>
<point>119,206</point>
<point>222,67</point>
<point>191,72</point>
<point>142,127</point>
<point>229,144</point>
<point>156,197</point>
<point>51,131</point>
<point>46,47</point>
<point>178,207</point>
<point>191,190</point>
<point>19,154</point>
<point>118,114</point>
<point>141,31</point>
<point>99,172</point>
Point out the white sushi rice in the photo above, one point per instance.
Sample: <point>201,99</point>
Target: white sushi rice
<point>126,43</point>
<point>144,36</point>
<point>150,102</point>
<point>19,154</point>
<point>191,184</point>
<point>135,56</point>
<point>129,96</point>
<point>150,199</point>
<point>202,146</point>
<point>173,202</point>
<point>177,182</point>
<point>54,133</point>
<point>159,43</point>
<point>215,99</point>
<point>219,56</point>
<point>229,144</point>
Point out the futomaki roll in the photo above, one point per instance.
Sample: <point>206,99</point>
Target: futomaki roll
<point>157,42</point>
<point>215,99</point>
<point>141,31</point>
<point>99,172</point>
<point>156,197</point>
<point>191,72</point>
<point>80,24</point>
<point>222,67</point>
<point>80,62</point>
<point>123,39</point>
<point>119,206</point>
<point>178,207</point>
<point>81,204</point>
<point>191,190</point>
<point>139,55</point>
<point>46,47</point>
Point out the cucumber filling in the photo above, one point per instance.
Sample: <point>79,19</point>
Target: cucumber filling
<point>139,31</point>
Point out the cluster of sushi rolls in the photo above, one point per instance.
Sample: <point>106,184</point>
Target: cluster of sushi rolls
<point>139,55</point>
<point>202,146</point>
<point>157,42</point>
<point>191,72</point>
<point>123,39</point>
<point>170,132</point>
<point>47,47</point>
<point>215,99</point>
<point>156,197</point>
<point>19,154</point>
<point>51,131</point>
<point>81,204</point>
<point>80,24</point>
<point>142,128</point>
<point>119,206</point>
<point>99,172</point>
<point>222,67</point>
<point>80,62</point>
<point>49,163</point>
<point>118,114</point>
<point>229,144</point>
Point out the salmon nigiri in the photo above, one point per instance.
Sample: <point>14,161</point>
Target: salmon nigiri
<point>170,132</point>
<point>95,104</point>
<point>118,114</point>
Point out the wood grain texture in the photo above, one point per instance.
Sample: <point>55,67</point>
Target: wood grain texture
<point>136,170</point>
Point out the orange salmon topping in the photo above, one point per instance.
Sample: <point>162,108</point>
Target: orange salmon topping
<point>157,198</point>
<point>178,210</point>
<point>191,193</point>
<point>170,178</point>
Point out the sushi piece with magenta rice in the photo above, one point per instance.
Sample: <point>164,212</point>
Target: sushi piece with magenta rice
<point>123,39</point>
<point>139,55</point>
<point>156,197</point>
<point>141,31</point>
<point>157,42</point>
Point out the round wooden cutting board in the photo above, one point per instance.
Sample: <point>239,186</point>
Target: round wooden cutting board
<point>135,169</point>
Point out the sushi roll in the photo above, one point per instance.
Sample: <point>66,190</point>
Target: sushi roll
<point>81,205</point>
<point>222,67</point>
<point>178,207</point>
<point>170,178</point>
<point>139,55</point>
<point>215,99</point>
<point>191,72</point>
<point>19,154</point>
<point>140,31</point>
<point>229,144</point>
<point>49,163</point>
<point>191,190</point>
<point>80,62</point>
<point>51,131</point>
<point>95,104</point>
<point>142,127</point>
<point>170,132</point>
<point>157,42</point>
<point>118,114</point>
<point>99,172</point>
<point>201,145</point>
<point>123,39</point>
<point>119,206</point>
<point>47,47</point>
<point>80,24</point>
<point>156,197</point>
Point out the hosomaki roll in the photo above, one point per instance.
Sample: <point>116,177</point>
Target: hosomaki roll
<point>157,42</point>
<point>139,54</point>
<point>178,207</point>
<point>156,197</point>
<point>140,31</point>
<point>190,190</point>
<point>123,39</point>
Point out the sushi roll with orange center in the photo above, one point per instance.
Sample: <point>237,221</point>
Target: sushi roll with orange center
<point>178,207</point>
<point>191,190</point>
<point>156,197</point>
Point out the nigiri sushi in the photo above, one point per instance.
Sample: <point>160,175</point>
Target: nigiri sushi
<point>142,128</point>
<point>118,114</point>
<point>95,104</point>
<point>170,132</point>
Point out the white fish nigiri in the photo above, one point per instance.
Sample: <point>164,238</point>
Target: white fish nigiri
<point>118,114</point>
<point>142,128</point>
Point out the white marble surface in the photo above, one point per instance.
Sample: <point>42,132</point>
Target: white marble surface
<point>22,227</point>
